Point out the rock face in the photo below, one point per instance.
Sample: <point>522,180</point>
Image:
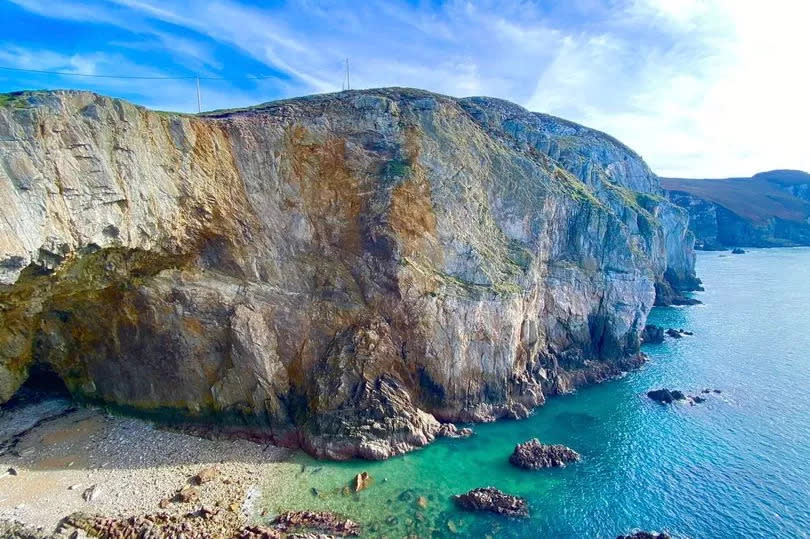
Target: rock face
<point>492,500</point>
<point>341,273</point>
<point>533,455</point>
<point>770,209</point>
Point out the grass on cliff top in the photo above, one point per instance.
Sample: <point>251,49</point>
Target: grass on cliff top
<point>756,199</point>
<point>14,100</point>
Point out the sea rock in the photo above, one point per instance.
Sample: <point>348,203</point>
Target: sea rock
<point>492,500</point>
<point>738,251</point>
<point>336,271</point>
<point>449,430</point>
<point>295,522</point>
<point>533,455</point>
<point>362,481</point>
<point>697,399</point>
<point>652,334</point>
<point>665,396</point>
<point>674,333</point>
<point>683,300</point>
<point>644,535</point>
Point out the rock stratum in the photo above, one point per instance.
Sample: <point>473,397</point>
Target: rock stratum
<point>770,209</point>
<point>341,273</point>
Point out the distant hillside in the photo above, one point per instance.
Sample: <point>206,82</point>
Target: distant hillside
<point>768,209</point>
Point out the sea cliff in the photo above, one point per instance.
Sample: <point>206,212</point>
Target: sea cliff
<point>344,273</point>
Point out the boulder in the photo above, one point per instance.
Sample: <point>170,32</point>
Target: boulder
<point>652,334</point>
<point>492,500</point>
<point>533,455</point>
<point>206,475</point>
<point>362,481</point>
<point>188,495</point>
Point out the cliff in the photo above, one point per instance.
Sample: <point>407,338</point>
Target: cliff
<point>770,209</point>
<point>340,272</point>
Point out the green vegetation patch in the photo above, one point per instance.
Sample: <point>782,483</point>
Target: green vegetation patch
<point>17,100</point>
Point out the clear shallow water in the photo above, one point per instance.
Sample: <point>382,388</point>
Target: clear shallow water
<point>737,465</point>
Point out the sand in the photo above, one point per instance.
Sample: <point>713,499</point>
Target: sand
<point>58,451</point>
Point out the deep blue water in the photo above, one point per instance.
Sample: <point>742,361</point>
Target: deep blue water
<point>737,465</point>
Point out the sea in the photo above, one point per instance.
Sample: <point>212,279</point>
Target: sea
<point>736,465</point>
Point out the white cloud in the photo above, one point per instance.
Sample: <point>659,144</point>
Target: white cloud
<point>697,87</point>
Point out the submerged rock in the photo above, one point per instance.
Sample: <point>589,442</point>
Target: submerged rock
<point>492,500</point>
<point>665,396</point>
<point>333,272</point>
<point>533,455</point>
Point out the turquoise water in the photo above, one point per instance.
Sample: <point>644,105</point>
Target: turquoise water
<point>737,465</point>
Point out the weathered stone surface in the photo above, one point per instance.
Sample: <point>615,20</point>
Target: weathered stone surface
<point>492,500</point>
<point>342,273</point>
<point>533,455</point>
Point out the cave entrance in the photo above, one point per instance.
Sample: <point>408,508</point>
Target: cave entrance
<point>43,380</point>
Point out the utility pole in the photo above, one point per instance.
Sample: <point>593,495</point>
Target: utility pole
<point>199,102</point>
<point>348,84</point>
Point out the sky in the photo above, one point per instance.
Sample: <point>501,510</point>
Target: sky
<point>712,88</point>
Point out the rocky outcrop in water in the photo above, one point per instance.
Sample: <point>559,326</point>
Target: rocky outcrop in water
<point>644,535</point>
<point>665,396</point>
<point>652,334</point>
<point>770,209</point>
<point>342,273</point>
<point>533,455</point>
<point>494,501</point>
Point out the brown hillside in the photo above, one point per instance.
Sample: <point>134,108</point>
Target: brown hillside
<point>756,199</point>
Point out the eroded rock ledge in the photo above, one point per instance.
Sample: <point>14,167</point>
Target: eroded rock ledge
<point>342,273</point>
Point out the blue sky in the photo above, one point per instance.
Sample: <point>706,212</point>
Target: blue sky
<point>698,87</point>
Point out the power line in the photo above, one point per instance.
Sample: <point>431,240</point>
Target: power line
<point>68,74</point>
<point>93,75</point>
